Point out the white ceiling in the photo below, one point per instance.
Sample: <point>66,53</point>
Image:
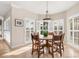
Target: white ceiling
<point>38,7</point>
<point>4,7</point>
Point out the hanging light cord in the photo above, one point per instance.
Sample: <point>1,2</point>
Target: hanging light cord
<point>46,16</point>
<point>46,8</point>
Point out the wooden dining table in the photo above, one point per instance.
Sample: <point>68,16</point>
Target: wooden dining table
<point>47,39</point>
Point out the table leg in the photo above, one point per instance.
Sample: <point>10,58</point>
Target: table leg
<point>47,45</point>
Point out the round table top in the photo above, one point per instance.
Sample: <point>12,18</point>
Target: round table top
<point>46,38</point>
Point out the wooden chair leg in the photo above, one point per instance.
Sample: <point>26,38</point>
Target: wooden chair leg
<point>32,50</point>
<point>38,52</point>
<point>60,54</point>
<point>43,50</point>
<point>49,49</point>
<point>52,53</point>
<point>63,48</point>
<point>60,50</point>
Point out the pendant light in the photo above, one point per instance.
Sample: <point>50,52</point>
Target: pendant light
<point>46,16</point>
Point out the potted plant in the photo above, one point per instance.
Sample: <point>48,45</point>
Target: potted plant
<point>45,33</point>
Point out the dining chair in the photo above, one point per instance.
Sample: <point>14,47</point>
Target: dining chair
<point>51,45</point>
<point>57,44</point>
<point>62,41</point>
<point>36,42</point>
<point>50,33</point>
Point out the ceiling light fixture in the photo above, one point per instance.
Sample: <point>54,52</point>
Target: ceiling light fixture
<point>46,16</point>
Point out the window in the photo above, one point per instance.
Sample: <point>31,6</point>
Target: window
<point>58,26</point>
<point>74,30</point>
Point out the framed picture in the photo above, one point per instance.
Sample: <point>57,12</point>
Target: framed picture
<point>19,22</point>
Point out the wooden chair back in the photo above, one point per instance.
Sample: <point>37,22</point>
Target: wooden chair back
<point>36,42</point>
<point>50,33</point>
<point>62,37</point>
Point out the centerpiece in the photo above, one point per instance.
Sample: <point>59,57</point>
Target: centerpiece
<point>45,33</point>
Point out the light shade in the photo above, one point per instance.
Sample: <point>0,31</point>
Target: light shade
<point>47,19</point>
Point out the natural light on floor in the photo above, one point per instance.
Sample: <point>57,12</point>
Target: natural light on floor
<point>18,51</point>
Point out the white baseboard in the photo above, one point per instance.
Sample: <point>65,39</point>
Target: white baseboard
<point>17,46</point>
<point>7,43</point>
<point>73,45</point>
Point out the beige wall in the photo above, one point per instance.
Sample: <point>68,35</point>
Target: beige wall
<point>61,15</point>
<point>18,33</point>
<point>72,11</point>
<point>7,14</point>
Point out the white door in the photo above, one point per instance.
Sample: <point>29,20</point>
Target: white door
<point>73,31</point>
<point>29,28</point>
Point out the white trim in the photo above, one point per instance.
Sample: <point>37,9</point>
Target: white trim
<point>75,15</point>
<point>74,46</point>
<point>19,45</point>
